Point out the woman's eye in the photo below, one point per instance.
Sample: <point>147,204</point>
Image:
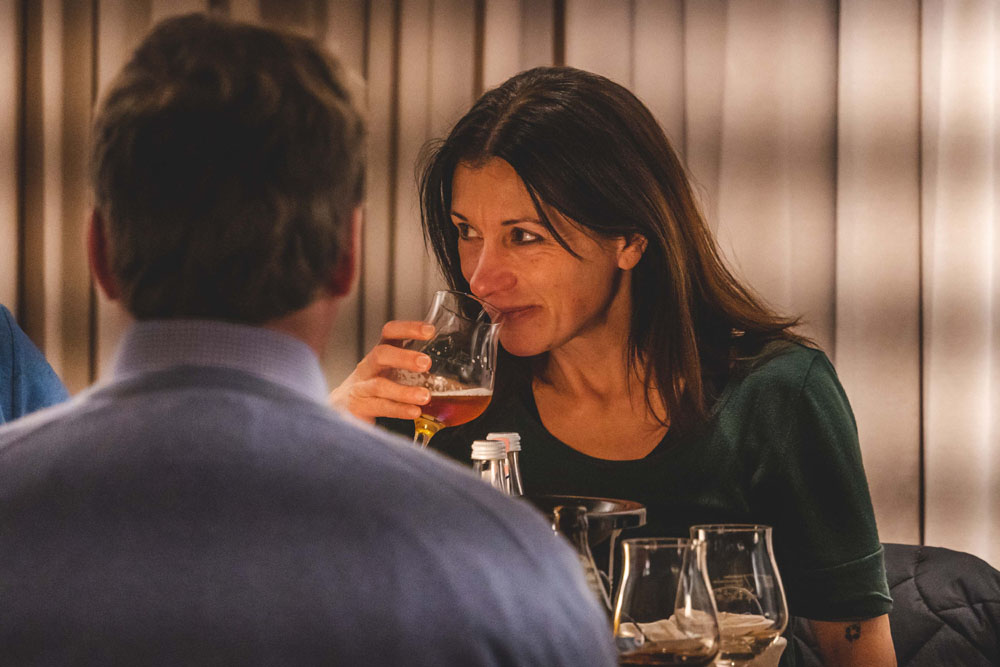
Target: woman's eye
<point>465,231</point>
<point>519,235</point>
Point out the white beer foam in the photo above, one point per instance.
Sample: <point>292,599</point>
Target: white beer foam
<point>439,386</point>
<point>478,391</point>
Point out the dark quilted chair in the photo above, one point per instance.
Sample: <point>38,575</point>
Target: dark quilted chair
<point>946,609</point>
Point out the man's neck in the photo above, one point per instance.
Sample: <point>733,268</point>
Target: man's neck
<point>311,324</point>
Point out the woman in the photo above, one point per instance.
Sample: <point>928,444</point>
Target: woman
<point>634,365</point>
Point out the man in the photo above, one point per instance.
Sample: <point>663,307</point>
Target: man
<point>203,505</point>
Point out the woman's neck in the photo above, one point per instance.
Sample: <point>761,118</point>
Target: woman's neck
<point>594,364</point>
<point>589,398</point>
<point>585,369</point>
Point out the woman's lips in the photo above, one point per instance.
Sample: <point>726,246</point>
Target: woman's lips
<point>514,314</point>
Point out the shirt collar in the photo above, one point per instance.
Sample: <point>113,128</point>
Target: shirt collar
<point>156,345</point>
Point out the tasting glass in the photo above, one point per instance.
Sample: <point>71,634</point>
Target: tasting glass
<point>664,611</point>
<point>747,589</point>
<point>463,354</point>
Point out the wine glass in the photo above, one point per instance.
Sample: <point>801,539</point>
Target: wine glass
<point>463,356</point>
<point>664,611</point>
<point>747,588</point>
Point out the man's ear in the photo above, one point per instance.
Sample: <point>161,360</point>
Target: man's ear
<point>97,254</point>
<point>630,251</point>
<point>342,277</point>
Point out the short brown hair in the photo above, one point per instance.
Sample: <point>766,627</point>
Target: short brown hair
<point>226,162</point>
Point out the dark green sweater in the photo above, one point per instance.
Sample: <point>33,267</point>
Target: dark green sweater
<point>781,448</point>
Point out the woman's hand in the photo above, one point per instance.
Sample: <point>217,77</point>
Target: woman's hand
<point>366,394</point>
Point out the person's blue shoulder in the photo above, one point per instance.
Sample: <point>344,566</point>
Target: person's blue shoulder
<point>27,382</point>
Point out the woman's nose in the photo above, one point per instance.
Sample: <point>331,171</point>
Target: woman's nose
<point>492,273</point>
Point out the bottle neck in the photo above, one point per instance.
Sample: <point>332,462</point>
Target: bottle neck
<point>491,471</point>
<point>514,474</point>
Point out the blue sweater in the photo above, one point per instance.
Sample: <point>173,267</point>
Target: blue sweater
<point>205,506</point>
<point>27,382</point>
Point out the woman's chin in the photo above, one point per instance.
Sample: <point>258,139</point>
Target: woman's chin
<point>522,348</point>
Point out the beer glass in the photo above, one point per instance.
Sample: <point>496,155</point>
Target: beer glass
<point>664,612</point>
<point>463,356</point>
<point>747,588</point>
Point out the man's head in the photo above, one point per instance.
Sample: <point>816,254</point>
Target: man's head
<point>227,162</point>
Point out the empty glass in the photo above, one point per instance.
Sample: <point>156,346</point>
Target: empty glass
<point>747,588</point>
<point>664,612</point>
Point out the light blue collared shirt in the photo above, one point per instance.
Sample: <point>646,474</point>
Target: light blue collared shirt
<point>155,345</point>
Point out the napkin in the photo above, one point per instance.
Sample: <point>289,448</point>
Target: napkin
<point>633,635</point>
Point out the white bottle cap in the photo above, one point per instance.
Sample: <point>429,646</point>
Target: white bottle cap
<point>485,450</point>
<point>512,441</point>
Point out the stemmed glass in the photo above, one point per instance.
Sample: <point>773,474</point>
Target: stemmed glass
<point>747,588</point>
<point>463,356</point>
<point>664,611</point>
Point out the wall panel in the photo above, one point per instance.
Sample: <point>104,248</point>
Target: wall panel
<point>599,37</point>
<point>658,64</point>
<point>67,92</point>
<point>960,172</point>
<point>776,176</point>
<point>10,46</point>
<point>375,272</point>
<point>878,243</point>
<point>435,85</point>
<point>517,35</point>
<point>705,29</point>
<point>409,259</point>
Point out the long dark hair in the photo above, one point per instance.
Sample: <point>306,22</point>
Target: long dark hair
<point>588,148</point>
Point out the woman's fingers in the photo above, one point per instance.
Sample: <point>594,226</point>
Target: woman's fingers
<point>384,356</point>
<point>406,329</point>
<point>367,393</point>
<point>379,397</point>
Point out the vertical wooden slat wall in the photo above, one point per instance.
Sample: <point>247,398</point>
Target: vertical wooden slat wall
<point>408,256</point>
<point>31,259</point>
<point>878,243</point>
<point>960,206</point>
<point>658,64</point>
<point>10,145</point>
<point>54,294</point>
<point>517,35</point>
<point>382,68</point>
<point>814,199</point>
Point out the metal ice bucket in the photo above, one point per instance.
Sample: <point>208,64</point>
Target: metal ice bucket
<point>606,518</point>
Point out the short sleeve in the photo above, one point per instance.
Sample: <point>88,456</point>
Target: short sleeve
<point>812,487</point>
<point>27,382</point>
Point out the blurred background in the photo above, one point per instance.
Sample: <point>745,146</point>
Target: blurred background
<point>847,154</point>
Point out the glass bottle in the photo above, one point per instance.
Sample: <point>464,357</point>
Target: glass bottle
<point>571,522</point>
<point>488,460</point>
<point>512,442</point>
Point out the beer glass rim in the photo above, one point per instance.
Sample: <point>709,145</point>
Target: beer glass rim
<point>647,542</point>
<point>720,528</point>
<point>488,308</point>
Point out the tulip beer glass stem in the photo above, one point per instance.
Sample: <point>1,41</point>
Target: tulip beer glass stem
<point>425,428</point>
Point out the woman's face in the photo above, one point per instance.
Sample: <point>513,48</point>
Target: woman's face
<point>548,297</point>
